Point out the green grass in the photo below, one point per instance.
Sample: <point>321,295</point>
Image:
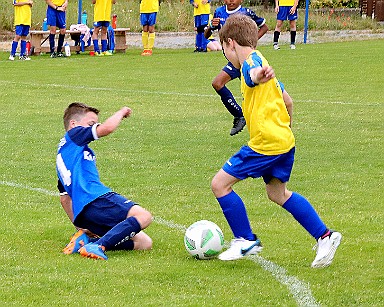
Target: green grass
<point>164,157</point>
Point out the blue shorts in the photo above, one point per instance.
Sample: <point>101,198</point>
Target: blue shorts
<point>148,19</point>
<point>283,13</point>
<point>201,20</point>
<point>99,24</point>
<point>248,163</point>
<point>22,30</point>
<point>56,18</point>
<point>105,212</point>
<point>232,71</point>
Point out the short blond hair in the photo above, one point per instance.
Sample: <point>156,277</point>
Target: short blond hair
<point>241,29</point>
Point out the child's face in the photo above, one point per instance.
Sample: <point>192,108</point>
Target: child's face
<point>232,4</point>
<point>88,120</point>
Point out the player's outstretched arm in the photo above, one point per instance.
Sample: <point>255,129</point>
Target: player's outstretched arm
<point>262,74</point>
<point>113,122</point>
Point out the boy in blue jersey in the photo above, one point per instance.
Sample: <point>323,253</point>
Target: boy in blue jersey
<point>56,18</point>
<point>285,10</point>
<point>230,72</point>
<point>92,207</point>
<point>269,153</point>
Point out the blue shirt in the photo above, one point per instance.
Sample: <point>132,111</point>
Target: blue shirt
<point>222,13</point>
<point>76,167</point>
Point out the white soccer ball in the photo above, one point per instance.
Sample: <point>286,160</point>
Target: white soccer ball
<point>204,240</point>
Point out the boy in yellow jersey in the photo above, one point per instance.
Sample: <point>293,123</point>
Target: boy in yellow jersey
<point>56,18</point>
<point>22,25</point>
<point>269,153</point>
<point>285,10</point>
<point>201,11</point>
<point>102,18</point>
<point>148,14</point>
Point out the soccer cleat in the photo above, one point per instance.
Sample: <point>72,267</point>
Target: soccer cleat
<point>24,58</point>
<point>107,53</point>
<point>146,52</point>
<point>292,46</point>
<point>60,55</point>
<point>241,248</point>
<point>276,46</point>
<point>11,57</point>
<point>53,55</point>
<point>99,53</point>
<point>238,125</point>
<point>94,251</point>
<point>78,240</point>
<point>326,248</point>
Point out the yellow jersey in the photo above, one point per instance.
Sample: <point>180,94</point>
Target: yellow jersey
<point>23,14</point>
<point>102,10</point>
<point>286,2</point>
<point>149,6</point>
<point>264,111</point>
<point>201,9</point>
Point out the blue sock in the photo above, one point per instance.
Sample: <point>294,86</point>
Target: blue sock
<point>60,42</point>
<point>14,47</point>
<point>104,45</point>
<point>305,214</point>
<point>122,232</point>
<point>96,45</point>
<point>23,48</point>
<point>230,102</point>
<point>52,42</point>
<point>236,215</point>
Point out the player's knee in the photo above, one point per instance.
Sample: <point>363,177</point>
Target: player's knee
<point>142,241</point>
<point>217,187</point>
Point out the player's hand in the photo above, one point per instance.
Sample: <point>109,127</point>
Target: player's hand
<point>126,112</point>
<point>215,22</point>
<point>204,1</point>
<point>265,74</point>
<point>277,9</point>
<point>292,10</point>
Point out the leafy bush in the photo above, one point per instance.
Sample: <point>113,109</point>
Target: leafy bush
<point>334,4</point>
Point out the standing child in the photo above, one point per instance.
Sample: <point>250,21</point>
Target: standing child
<point>102,19</point>
<point>22,25</point>
<point>56,18</point>
<point>148,14</point>
<point>285,10</point>
<point>229,72</point>
<point>269,153</point>
<point>201,11</point>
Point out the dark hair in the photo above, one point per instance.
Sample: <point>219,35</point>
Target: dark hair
<point>76,110</point>
<point>241,29</point>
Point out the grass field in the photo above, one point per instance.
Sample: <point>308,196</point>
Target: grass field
<point>164,157</point>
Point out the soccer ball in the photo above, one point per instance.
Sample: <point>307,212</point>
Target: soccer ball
<point>204,240</point>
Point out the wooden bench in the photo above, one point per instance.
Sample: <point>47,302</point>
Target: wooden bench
<point>39,37</point>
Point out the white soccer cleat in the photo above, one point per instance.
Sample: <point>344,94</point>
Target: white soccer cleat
<point>11,57</point>
<point>326,249</point>
<point>240,248</point>
<point>276,46</point>
<point>292,46</point>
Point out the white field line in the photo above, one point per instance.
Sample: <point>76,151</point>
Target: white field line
<point>300,291</point>
<point>108,89</point>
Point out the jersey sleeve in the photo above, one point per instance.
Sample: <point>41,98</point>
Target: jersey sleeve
<point>259,20</point>
<point>61,189</point>
<point>253,61</point>
<point>83,135</point>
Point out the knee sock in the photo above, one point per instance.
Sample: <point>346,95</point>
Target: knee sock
<point>96,45</point>
<point>305,214</point>
<point>23,48</point>
<point>52,42</point>
<point>104,45</point>
<point>236,215</point>
<point>60,42</point>
<point>293,37</point>
<point>276,36</point>
<point>144,39</point>
<point>151,40</point>
<point>230,102</point>
<point>119,234</point>
<point>14,47</point>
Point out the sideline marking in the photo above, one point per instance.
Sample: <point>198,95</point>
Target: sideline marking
<point>300,291</point>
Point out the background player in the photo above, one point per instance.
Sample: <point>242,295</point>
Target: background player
<point>229,72</point>
<point>285,10</point>
<point>22,24</point>
<point>87,201</point>
<point>201,11</point>
<point>102,18</point>
<point>148,14</point>
<point>269,152</point>
<point>56,18</point>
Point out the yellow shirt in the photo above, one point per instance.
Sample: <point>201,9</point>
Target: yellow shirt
<point>202,9</point>
<point>265,112</point>
<point>23,14</point>
<point>286,2</point>
<point>58,2</point>
<point>149,6</point>
<point>102,10</point>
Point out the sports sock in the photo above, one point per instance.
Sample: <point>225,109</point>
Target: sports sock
<point>23,47</point>
<point>293,37</point>
<point>60,42</point>
<point>104,45</point>
<point>151,40</point>
<point>236,215</point>
<point>96,45</point>
<point>276,36</point>
<point>52,42</point>
<point>122,232</point>
<point>230,102</point>
<point>305,214</point>
<point>14,47</point>
<point>144,39</point>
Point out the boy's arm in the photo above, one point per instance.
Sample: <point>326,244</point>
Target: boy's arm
<point>213,25</point>
<point>261,74</point>
<point>66,203</point>
<point>262,30</point>
<point>113,122</point>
